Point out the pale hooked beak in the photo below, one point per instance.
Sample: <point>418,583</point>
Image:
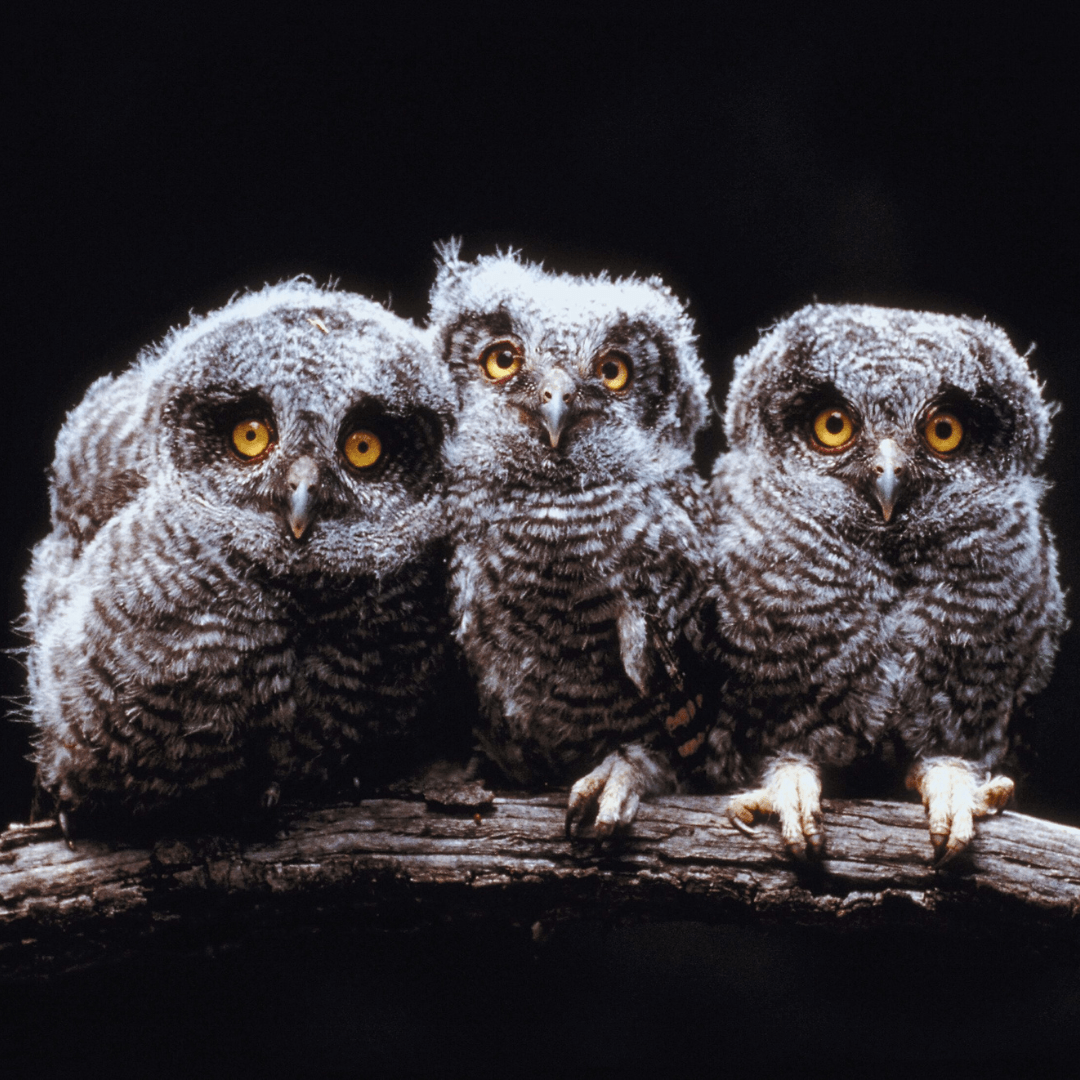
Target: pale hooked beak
<point>556,393</point>
<point>303,481</point>
<point>888,468</point>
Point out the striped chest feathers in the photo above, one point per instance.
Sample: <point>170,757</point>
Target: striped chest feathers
<point>549,568</point>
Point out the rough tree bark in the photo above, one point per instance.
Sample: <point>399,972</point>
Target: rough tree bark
<point>399,863</point>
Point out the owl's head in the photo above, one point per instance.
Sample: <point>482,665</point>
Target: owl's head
<point>303,427</point>
<point>583,376</point>
<point>888,403</point>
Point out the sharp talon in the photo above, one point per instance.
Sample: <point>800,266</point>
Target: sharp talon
<point>65,828</point>
<point>952,850</point>
<point>603,829</point>
<point>575,821</point>
<point>941,857</point>
<point>271,796</point>
<point>746,830</point>
<point>797,851</point>
<point>944,853</point>
<point>815,844</point>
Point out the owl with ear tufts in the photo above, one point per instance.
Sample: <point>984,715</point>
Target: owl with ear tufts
<point>889,588</point>
<point>580,528</point>
<point>242,590</point>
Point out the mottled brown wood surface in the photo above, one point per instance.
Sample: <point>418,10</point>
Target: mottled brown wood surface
<point>399,864</point>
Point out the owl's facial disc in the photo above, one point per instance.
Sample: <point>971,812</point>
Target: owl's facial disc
<point>303,484</point>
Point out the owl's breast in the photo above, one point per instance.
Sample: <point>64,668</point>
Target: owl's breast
<point>802,612</point>
<point>368,649</point>
<point>538,597</point>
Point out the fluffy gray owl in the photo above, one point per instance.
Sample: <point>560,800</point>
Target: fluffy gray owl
<point>889,585</point>
<point>241,587</point>
<point>578,524</point>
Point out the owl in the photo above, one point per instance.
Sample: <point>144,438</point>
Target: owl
<point>243,584</point>
<point>888,584</point>
<point>578,525</point>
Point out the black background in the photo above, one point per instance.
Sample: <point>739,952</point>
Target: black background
<point>159,160</point>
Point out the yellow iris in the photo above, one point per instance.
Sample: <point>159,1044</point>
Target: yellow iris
<point>362,448</point>
<point>250,438</point>
<point>501,360</point>
<point>833,428</point>
<point>613,370</point>
<point>943,432</point>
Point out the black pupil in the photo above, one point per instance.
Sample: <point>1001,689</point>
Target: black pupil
<point>610,370</point>
<point>835,424</point>
<point>250,435</point>
<point>943,430</point>
<point>362,446</point>
<point>504,359</point>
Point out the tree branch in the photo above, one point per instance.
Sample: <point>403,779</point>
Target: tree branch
<point>397,863</point>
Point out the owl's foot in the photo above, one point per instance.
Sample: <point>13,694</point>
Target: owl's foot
<point>792,791</point>
<point>954,798</point>
<point>614,788</point>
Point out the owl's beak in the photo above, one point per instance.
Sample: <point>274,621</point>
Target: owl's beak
<point>303,481</point>
<point>556,394</point>
<point>888,468</point>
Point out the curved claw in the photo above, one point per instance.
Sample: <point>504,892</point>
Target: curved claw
<point>797,851</point>
<point>574,818</point>
<point>742,826</point>
<point>65,828</point>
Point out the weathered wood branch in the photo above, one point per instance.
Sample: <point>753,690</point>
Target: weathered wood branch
<point>397,863</point>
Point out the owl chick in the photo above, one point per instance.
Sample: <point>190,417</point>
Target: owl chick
<point>889,585</point>
<point>241,588</point>
<point>577,524</point>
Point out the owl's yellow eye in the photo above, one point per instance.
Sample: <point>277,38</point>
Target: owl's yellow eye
<point>614,370</point>
<point>250,438</point>
<point>943,432</point>
<point>501,360</point>
<point>362,448</point>
<point>833,429</point>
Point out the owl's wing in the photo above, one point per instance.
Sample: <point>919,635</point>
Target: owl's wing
<point>686,677</point>
<point>666,666</point>
<point>672,621</point>
<point>100,455</point>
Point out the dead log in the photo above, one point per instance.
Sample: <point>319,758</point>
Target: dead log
<point>403,864</point>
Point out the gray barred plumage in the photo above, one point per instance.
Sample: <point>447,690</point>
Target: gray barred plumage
<point>889,584</point>
<point>579,523</point>
<point>212,617</point>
